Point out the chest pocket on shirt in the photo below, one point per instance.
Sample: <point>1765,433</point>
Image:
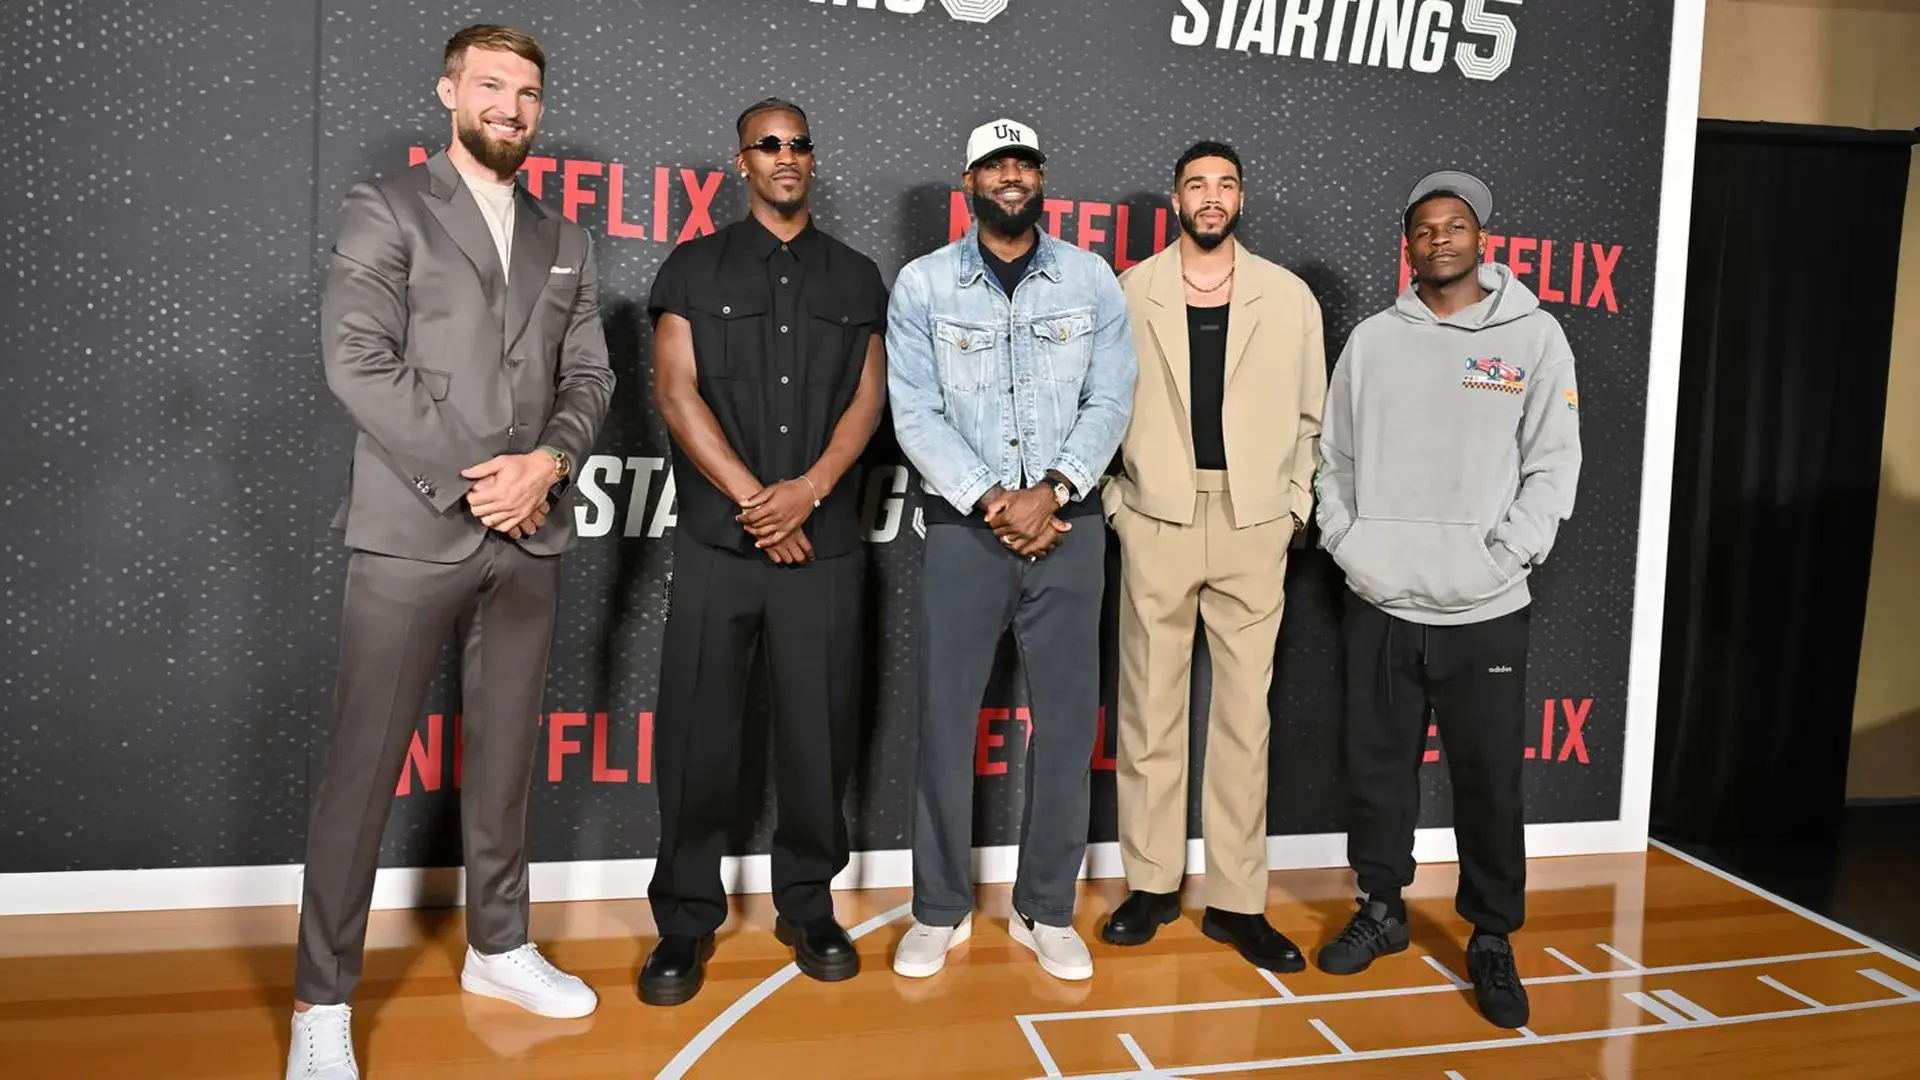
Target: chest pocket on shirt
<point>728,332</point>
<point>837,332</point>
<point>966,355</point>
<point>1063,346</point>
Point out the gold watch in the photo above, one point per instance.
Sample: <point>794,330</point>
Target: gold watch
<point>562,465</point>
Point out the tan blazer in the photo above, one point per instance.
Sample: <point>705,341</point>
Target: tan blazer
<point>1276,385</point>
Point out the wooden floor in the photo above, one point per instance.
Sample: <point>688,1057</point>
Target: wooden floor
<point>1639,965</point>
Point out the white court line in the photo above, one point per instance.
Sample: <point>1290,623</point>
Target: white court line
<point>1320,1026</point>
<point>1693,1011</point>
<point>1567,960</point>
<point>1891,983</point>
<point>1451,1075</point>
<point>1414,991</point>
<point>1138,1055</point>
<point>1490,1044</point>
<point>1039,1047</point>
<point>1790,991</point>
<point>1274,981</point>
<point>1656,1008</point>
<point>1620,956</point>
<point>1526,1032</point>
<point>719,1025</point>
<point>1880,947</point>
<point>1458,982</point>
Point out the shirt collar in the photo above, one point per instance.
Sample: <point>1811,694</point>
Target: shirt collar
<point>972,267</point>
<point>761,244</point>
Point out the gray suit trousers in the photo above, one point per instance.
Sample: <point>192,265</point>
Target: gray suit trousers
<point>397,614</point>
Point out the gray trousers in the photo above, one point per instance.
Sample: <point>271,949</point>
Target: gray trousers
<point>397,614</point>
<point>972,590</point>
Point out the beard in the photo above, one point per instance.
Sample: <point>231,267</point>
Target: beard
<point>997,219</point>
<point>502,157</point>
<point>1209,241</point>
<point>788,205</point>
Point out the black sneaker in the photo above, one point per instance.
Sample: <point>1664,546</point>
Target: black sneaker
<point>1496,984</point>
<point>1370,934</point>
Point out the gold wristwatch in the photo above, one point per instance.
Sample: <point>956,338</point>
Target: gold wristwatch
<point>562,465</point>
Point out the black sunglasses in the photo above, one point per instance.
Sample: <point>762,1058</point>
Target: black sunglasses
<point>801,144</point>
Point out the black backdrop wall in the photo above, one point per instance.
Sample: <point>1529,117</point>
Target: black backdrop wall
<point>171,588</point>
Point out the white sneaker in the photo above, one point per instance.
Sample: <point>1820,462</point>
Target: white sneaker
<point>525,978</point>
<point>1061,952</point>
<point>923,952</point>
<point>323,1045</point>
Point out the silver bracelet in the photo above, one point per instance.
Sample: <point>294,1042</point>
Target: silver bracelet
<point>816,491</point>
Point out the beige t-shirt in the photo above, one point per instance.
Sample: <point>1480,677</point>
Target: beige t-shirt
<point>496,205</point>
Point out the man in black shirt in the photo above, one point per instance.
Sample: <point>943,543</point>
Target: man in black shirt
<point>1216,482</point>
<point>770,371</point>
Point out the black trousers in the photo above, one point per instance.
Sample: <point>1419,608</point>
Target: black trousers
<point>807,618</point>
<point>1472,680</point>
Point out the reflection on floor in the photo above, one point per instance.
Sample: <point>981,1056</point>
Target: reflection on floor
<point>1866,878</point>
<point>1636,964</point>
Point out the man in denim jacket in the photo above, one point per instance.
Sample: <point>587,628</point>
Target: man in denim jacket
<point>1011,383</point>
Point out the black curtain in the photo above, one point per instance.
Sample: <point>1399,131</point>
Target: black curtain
<point>1783,386</point>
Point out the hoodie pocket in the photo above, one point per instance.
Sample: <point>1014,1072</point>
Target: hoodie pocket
<point>1440,566</point>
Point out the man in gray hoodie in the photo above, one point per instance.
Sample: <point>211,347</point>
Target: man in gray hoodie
<point>1448,460</point>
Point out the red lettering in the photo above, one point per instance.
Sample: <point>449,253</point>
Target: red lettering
<point>643,770</point>
<point>536,169</point>
<point>1159,230</point>
<point>1603,265</point>
<point>616,204</point>
<point>1055,210</point>
<point>1546,732</point>
<point>985,741</point>
<point>602,774</point>
<point>701,193</point>
<point>959,218</point>
<point>425,759</point>
<point>1120,259</point>
<point>1494,244</point>
<point>1518,249</point>
<point>661,204</point>
<point>1579,268</point>
<point>1548,294</point>
<point>1103,761</point>
<point>573,196</point>
<point>416,155</point>
<point>1576,744</point>
<point>1432,755</point>
<point>1088,235</point>
<point>558,745</point>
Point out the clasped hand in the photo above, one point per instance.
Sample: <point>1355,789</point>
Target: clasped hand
<point>773,516</point>
<point>509,494</point>
<point>1025,522</point>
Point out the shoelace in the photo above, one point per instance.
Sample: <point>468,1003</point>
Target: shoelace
<point>1362,929</point>
<point>1496,968</point>
<point>528,957</point>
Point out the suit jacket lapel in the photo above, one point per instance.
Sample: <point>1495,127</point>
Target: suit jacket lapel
<point>454,207</point>
<point>536,236</point>
<point>1242,317</point>
<point>1169,323</point>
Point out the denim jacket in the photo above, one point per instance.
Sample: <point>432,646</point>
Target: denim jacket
<point>987,391</point>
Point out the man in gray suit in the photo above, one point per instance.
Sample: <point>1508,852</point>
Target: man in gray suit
<point>460,327</point>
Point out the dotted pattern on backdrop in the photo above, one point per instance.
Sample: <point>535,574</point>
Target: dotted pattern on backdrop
<point>1570,137</point>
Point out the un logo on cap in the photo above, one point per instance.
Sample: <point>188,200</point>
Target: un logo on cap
<point>974,11</point>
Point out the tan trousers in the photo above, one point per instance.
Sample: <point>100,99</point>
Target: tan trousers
<point>1234,580</point>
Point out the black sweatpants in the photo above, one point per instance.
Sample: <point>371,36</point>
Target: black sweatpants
<point>1472,680</point>
<point>807,617</point>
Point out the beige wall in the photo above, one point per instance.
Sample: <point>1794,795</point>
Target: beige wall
<point>1853,63</point>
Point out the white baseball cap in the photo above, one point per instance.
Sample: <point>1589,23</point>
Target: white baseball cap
<point>992,139</point>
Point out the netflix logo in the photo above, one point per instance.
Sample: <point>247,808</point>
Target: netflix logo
<point>1115,231</point>
<point>1563,725</point>
<point>607,752</point>
<point>640,205</point>
<point>990,749</point>
<point>1577,274</point>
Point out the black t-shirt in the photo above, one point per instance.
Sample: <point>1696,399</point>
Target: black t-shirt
<point>780,334</point>
<point>1008,273</point>
<point>1207,373</point>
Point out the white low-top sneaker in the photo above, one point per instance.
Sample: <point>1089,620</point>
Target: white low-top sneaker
<point>528,980</point>
<point>1061,952</point>
<point>923,951</point>
<point>322,1046</point>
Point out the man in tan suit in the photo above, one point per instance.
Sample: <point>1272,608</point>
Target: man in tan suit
<point>1216,481</point>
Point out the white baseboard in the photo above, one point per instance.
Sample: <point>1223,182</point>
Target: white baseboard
<point>621,879</point>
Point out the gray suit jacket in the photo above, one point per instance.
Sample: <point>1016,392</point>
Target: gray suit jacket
<point>442,365</point>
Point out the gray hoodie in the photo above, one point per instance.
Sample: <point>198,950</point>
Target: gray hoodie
<point>1450,454</point>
